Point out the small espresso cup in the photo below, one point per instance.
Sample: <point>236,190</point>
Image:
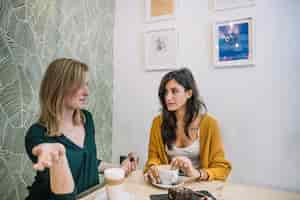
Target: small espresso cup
<point>168,176</point>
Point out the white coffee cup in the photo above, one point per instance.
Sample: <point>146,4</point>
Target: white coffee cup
<point>167,176</point>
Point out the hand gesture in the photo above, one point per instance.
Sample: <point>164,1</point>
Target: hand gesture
<point>47,154</point>
<point>130,163</point>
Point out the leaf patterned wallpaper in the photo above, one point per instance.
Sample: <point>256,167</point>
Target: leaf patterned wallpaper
<point>32,34</point>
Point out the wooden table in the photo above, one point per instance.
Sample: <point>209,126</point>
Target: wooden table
<point>136,185</point>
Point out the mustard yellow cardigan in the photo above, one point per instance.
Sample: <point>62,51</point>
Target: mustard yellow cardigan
<point>212,158</point>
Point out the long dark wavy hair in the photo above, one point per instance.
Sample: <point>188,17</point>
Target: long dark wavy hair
<point>194,104</point>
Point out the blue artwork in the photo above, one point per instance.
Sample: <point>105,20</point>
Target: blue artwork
<point>233,41</point>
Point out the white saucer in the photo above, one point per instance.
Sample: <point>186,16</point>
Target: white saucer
<point>167,186</point>
<point>180,183</point>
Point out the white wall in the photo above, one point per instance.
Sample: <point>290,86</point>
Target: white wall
<point>257,107</point>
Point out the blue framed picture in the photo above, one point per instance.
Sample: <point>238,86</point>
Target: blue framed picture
<point>233,43</point>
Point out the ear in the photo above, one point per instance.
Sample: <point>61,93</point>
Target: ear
<point>189,93</point>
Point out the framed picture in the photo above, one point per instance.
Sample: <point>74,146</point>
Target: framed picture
<point>233,43</point>
<point>161,47</point>
<point>160,10</point>
<point>230,4</point>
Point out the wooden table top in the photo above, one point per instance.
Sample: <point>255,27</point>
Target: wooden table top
<point>140,190</point>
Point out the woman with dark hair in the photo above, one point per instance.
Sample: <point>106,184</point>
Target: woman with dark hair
<point>184,135</point>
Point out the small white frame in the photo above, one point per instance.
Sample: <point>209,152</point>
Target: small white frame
<point>161,49</point>
<point>220,5</point>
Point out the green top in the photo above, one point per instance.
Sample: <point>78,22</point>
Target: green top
<point>83,161</point>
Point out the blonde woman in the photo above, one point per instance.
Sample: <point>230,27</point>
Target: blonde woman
<point>62,143</point>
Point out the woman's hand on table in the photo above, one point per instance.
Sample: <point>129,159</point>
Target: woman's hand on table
<point>152,174</point>
<point>47,154</point>
<point>185,165</point>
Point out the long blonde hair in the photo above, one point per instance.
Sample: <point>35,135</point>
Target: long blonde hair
<point>62,77</point>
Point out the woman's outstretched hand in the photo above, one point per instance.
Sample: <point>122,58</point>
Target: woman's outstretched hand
<point>47,154</point>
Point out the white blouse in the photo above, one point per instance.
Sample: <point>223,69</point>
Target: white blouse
<point>192,152</point>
